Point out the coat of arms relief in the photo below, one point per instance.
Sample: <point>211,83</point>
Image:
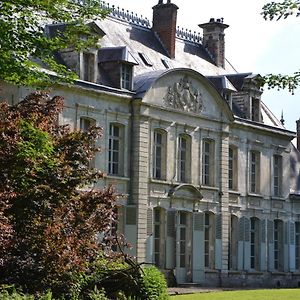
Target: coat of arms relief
<point>183,95</point>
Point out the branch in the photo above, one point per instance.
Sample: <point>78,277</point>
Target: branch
<point>289,82</point>
<point>283,9</point>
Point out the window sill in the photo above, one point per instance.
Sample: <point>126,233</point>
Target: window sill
<point>234,192</point>
<point>116,177</point>
<point>277,198</point>
<point>207,187</point>
<point>255,195</point>
<point>160,181</point>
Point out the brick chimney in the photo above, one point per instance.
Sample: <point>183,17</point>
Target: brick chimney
<point>298,134</point>
<point>213,39</point>
<point>164,24</point>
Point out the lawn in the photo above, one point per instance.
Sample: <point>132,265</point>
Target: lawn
<point>275,294</point>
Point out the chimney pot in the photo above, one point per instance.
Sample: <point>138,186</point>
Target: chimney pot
<point>164,24</point>
<point>213,39</point>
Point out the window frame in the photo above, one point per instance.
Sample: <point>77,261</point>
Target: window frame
<point>159,161</point>
<point>184,158</point>
<point>254,243</point>
<point>277,175</point>
<point>208,164</point>
<point>254,172</point>
<point>278,245</point>
<point>126,76</point>
<point>116,150</point>
<point>233,168</point>
<point>209,240</point>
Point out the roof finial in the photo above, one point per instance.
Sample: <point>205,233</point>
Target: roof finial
<point>161,1</point>
<point>282,119</point>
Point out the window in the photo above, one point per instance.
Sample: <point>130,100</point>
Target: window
<point>232,168</point>
<point>254,172</point>
<point>159,155</point>
<point>255,109</point>
<point>278,245</point>
<point>115,149</point>
<point>277,175</point>
<point>126,78</point>
<point>208,163</point>
<point>254,243</point>
<point>184,155</point>
<point>88,66</point>
<point>165,63</point>
<point>145,59</point>
<point>297,244</point>
<point>157,235</point>
<point>209,240</point>
<point>233,246</point>
<point>182,238</point>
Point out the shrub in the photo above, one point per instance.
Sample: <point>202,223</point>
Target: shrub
<point>153,285</point>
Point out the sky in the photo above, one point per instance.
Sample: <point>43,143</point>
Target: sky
<point>252,44</point>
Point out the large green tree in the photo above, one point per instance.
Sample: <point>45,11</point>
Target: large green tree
<point>50,211</point>
<point>24,46</point>
<point>277,11</point>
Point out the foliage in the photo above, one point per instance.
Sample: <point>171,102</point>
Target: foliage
<point>24,46</point>
<point>282,9</point>
<point>10,293</point>
<point>49,218</point>
<point>154,284</point>
<point>278,10</point>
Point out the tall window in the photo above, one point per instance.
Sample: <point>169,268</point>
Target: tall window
<point>159,155</point>
<point>115,149</point>
<point>254,243</point>
<point>182,238</point>
<point>254,172</point>
<point>209,240</point>
<point>232,168</point>
<point>88,66</point>
<point>184,156</point>
<point>297,244</point>
<point>278,245</point>
<point>126,76</point>
<point>233,249</point>
<point>208,163</point>
<point>157,235</point>
<point>277,176</point>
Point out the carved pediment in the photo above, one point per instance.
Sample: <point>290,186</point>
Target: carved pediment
<point>184,96</point>
<point>185,191</point>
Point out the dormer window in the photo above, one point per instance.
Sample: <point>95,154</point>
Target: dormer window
<point>126,76</point>
<point>88,67</point>
<point>255,109</point>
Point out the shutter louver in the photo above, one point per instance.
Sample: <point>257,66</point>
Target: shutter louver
<point>270,232</point>
<point>198,221</point>
<point>292,233</point>
<point>219,227</point>
<point>149,221</point>
<point>263,231</point>
<point>247,230</point>
<point>241,229</point>
<point>171,224</point>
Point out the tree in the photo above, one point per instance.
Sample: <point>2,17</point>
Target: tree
<point>24,46</point>
<point>278,11</point>
<point>50,211</point>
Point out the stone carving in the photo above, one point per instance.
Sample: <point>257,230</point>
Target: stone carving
<point>183,95</point>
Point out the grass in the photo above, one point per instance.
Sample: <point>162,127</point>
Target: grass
<point>272,294</point>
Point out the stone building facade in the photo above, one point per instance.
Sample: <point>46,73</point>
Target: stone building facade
<point>210,177</point>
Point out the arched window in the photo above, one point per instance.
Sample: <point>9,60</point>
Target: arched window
<point>116,149</point>
<point>184,158</point>
<point>159,154</point>
<point>254,243</point>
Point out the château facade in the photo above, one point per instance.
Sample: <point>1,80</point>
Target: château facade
<point>210,177</point>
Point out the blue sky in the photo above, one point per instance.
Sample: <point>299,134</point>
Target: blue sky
<point>252,44</point>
